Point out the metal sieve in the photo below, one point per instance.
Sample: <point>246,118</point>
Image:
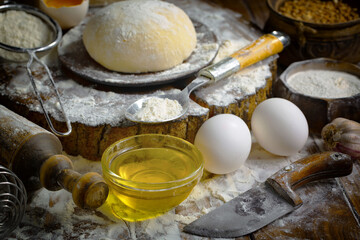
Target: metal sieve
<point>33,58</point>
<point>13,199</point>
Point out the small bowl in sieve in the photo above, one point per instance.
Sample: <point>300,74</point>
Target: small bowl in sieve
<point>55,27</point>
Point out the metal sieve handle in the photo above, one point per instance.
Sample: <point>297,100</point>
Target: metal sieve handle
<point>33,56</point>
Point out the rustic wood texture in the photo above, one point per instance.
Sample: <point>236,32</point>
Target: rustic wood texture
<point>351,186</point>
<point>324,215</point>
<point>330,210</point>
<point>90,141</point>
<point>34,155</point>
<point>254,11</point>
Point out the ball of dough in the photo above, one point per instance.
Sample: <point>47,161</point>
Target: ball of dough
<point>136,36</point>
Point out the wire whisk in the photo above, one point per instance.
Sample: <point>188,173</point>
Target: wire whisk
<point>13,199</point>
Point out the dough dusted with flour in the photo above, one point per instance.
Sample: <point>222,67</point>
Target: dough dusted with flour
<point>136,36</point>
<point>21,29</point>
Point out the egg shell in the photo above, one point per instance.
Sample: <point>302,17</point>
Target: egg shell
<point>225,142</point>
<point>279,126</point>
<point>67,17</point>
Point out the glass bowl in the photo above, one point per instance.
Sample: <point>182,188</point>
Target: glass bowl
<point>149,174</point>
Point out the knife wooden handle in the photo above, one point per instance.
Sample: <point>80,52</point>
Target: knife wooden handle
<point>311,168</point>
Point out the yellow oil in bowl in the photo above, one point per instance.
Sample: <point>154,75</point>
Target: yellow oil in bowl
<point>149,174</point>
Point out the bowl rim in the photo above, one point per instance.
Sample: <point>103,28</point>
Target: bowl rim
<point>311,24</point>
<point>294,65</point>
<point>158,186</point>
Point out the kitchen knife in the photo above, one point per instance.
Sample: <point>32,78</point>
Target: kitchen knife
<point>271,200</point>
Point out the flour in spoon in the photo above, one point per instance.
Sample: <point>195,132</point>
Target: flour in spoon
<point>159,109</point>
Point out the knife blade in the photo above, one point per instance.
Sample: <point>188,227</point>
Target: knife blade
<point>270,200</point>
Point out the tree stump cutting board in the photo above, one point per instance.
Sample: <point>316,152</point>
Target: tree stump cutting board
<point>97,111</point>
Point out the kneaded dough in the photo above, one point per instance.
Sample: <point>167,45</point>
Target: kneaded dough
<point>136,36</point>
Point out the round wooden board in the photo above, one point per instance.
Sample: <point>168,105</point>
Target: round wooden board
<point>96,111</point>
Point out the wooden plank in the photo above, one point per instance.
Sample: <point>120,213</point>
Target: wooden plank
<point>254,11</point>
<point>237,6</point>
<point>324,215</point>
<point>351,186</point>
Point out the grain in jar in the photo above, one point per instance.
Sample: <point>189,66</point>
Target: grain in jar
<point>317,11</point>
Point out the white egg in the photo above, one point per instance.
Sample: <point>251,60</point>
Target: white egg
<point>225,142</point>
<point>67,13</point>
<point>279,126</point>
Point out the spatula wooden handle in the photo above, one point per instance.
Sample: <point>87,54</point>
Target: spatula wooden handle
<point>88,190</point>
<point>265,46</point>
<point>311,168</point>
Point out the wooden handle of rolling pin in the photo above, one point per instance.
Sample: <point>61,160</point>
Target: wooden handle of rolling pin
<point>88,190</point>
<point>265,46</point>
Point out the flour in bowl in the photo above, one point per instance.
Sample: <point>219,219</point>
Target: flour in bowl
<point>325,83</point>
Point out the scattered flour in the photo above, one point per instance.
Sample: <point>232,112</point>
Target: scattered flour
<point>325,83</point>
<point>159,109</point>
<point>82,104</point>
<point>240,84</point>
<point>96,108</point>
<point>20,29</point>
<point>53,215</point>
<point>75,57</point>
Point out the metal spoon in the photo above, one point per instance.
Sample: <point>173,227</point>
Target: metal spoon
<point>182,98</point>
<point>265,46</point>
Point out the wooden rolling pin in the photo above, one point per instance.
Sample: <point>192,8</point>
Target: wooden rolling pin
<point>35,156</point>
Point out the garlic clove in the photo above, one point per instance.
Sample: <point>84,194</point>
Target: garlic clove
<point>342,135</point>
<point>345,148</point>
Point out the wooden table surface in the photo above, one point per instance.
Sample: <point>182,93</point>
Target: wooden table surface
<point>337,213</point>
<point>330,211</point>
<point>331,208</point>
